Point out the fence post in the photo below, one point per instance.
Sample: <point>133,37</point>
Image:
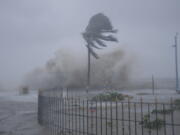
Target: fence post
<point>156,102</point>
<point>135,118</point>
<point>39,108</point>
<point>129,114</point>
<point>142,116</point>
<point>117,126</point>
<point>172,116</point>
<point>122,117</point>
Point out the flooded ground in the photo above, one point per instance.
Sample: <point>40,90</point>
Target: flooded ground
<point>18,114</point>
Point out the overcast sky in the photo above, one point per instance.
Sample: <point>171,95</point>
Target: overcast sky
<point>31,31</point>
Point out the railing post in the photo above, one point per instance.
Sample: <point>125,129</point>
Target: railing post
<point>172,116</point>
<point>39,107</point>
<point>142,116</point>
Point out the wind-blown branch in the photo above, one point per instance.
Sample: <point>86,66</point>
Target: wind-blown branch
<point>99,42</point>
<point>92,52</point>
<point>108,38</point>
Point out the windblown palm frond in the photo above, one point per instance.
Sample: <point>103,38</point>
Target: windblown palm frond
<point>101,43</point>
<point>98,25</point>
<point>92,52</point>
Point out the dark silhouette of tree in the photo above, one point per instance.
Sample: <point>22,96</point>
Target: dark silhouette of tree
<point>99,25</point>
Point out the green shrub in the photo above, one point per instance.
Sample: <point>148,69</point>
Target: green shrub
<point>110,96</point>
<point>163,111</point>
<point>152,124</point>
<point>109,124</point>
<point>177,104</point>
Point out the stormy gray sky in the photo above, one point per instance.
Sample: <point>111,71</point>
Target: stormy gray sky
<point>31,31</point>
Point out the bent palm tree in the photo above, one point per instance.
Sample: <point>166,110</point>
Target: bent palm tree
<point>98,25</point>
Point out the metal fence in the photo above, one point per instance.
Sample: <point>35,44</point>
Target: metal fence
<point>76,116</point>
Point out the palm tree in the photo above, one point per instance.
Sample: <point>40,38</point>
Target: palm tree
<point>99,25</point>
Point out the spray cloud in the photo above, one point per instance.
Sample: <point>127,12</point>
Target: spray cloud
<point>70,70</point>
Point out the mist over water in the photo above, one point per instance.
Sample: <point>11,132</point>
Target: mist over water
<point>68,69</point>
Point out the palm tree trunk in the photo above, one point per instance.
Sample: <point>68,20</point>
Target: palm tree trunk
<point>89,69</point>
